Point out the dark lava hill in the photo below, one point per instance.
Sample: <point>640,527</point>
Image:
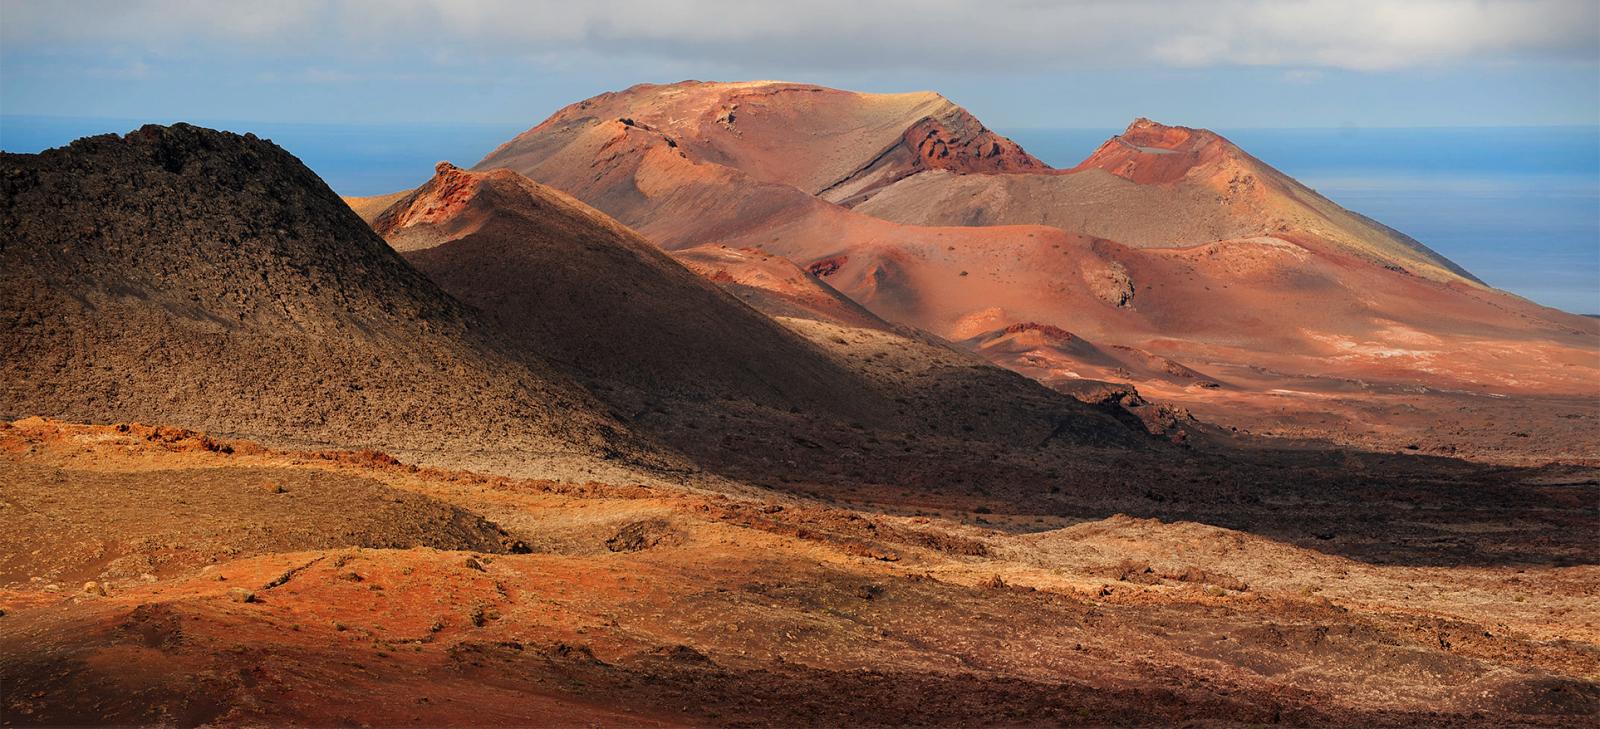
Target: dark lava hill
<point>199,278</point>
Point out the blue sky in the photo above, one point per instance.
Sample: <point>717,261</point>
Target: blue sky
<point>1226,64</point>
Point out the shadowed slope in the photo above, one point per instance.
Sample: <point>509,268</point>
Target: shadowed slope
<point>587,292</point>
<point>201,278</point>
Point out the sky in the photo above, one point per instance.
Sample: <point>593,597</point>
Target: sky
<point>1355,97</point>
<point>1015,63</point>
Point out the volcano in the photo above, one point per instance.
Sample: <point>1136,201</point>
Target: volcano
<point>1297,317</point>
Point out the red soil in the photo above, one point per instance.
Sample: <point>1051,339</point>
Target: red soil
<point>676,607</point>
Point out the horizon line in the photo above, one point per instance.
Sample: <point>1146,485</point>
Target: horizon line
<point>1026,127</point>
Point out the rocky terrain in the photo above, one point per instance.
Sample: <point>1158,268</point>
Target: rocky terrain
<point>467,599</point>
<point>481,454</point>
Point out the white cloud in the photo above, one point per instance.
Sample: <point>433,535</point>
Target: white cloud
<point>933,34</point>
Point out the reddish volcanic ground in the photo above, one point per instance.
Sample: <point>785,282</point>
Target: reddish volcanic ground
<point>251,586</point>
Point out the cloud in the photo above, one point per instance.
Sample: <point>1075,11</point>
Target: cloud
<point>837,34</point>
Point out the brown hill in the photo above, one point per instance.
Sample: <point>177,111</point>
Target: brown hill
<point>604,303</point>
<point>200,278</point>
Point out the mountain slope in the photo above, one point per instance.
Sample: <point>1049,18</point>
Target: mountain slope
<point>200,278</point>
<point>588,293</point>
<point>776,286</point>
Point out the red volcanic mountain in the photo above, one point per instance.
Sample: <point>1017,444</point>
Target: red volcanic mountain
<point>595,297</point>
<point>682,360</point>
<point>1169,245</point>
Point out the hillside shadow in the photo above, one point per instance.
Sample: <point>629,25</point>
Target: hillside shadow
<point>1423,511</point>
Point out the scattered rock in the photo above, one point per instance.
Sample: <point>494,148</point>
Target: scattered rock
<point>1111,284</point>
<point>641,535</point>
<point>1209,577</point>
<point>681,654</point>
<point>1132,571</point>
<point>239,594</point>
<point>575,653</point>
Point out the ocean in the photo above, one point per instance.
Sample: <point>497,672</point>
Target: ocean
<point>1518,207</point>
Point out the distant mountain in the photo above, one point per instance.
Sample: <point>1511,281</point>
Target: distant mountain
<point>1161,186</point>
<point>184,276</point>
<point>1167,242</point>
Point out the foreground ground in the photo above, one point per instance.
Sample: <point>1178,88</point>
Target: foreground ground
<point>154,575</point>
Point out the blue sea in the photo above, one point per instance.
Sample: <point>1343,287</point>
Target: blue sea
<point>1518,207</point>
